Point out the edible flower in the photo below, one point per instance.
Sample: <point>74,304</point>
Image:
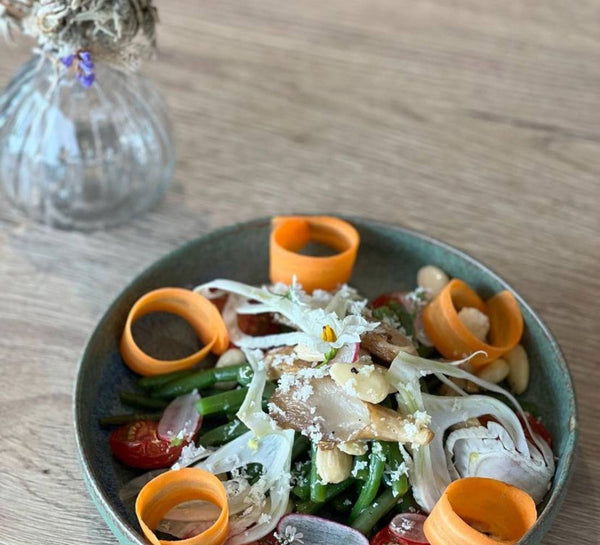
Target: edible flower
<point>82,62</point>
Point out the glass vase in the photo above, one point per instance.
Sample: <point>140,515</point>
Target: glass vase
<point>83,158</point>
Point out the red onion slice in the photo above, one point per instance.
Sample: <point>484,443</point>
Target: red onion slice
<point>347,353</point>
<point>409,527</point>
<point>181,420</point>
<point>311,530</point>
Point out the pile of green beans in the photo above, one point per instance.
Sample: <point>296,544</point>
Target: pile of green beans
<point>361,501</point>
<point>159,390</point>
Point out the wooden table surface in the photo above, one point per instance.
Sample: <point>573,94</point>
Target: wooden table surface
<point>475,122</point>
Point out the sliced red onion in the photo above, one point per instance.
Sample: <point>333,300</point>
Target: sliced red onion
<point>409,527</point>
<point>180,420</point>
<point>347,353</point>
<point>311,530</point>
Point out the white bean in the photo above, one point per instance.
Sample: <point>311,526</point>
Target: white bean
<point>368,382</point>
<point>475,321</point>
<point>494,372</point>
<point>333,465</point>
<point>518,374</point>
<point>233,356</point>
<point>432,278</point>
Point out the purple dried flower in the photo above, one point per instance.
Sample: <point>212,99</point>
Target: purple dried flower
<point>86,67</point>
<point>68,60</point>
<point>82,61</point>
<point>85,56</point>
<point>86,79</point>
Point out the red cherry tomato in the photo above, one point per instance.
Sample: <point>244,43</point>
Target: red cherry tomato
<point>385,537</point>
<point>537,427</point>
<point>138,445</point>
<point>387,298</point>
<point>219,302</point>
<point>258,325</point>
<point>404,529</point>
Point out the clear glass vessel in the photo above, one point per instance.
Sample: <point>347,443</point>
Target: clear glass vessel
<point>83,158</point>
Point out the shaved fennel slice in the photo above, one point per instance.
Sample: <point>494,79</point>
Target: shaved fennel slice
<point>309,320</point>
<point>490,452</point>
<point>255,509</point>
<point>429,471</point>
<point>190,454</point>
<point>274,453</point>
<point>407,368</point>
<point>239,338</point>
<point>251,413</point>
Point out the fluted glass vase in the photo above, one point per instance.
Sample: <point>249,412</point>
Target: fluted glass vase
<point>83,158</point>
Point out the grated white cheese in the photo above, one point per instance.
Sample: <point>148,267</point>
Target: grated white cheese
<point>264,518</point>
<point>189,454</point>
<point>359,465</point>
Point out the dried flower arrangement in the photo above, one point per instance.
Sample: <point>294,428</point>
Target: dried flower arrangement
<point>74,32</point>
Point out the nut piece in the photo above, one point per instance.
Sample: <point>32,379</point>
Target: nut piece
<point>233,356</point>
<point>518,373</point>
<point>355,448</point>
<point>475,321</point>
<point>333,466</point>
<point>494,372</point>
<point>432,279</point>
<point>366,381</point>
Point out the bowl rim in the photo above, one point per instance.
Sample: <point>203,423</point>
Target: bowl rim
<point>124,531</point>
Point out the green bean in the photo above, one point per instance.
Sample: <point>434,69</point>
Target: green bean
<point>395,460</point>
<point>198,381</point>
<point>149,383</point>
<point>360,468</point>
<point>245,375</point>
<point>371,485</point>
<point>301,445</point>
<point>222,434</point>
<point>302,491</point>
<point>332,491</point>
<point>373,513</point>
<point>142,402</point>
<point>120,419</point>
<point>317,488</point>
<point>254,472</point>
<point>308,507</point>
<point>221,403</point>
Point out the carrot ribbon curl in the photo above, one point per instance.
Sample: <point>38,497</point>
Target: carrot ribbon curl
<point>172,488</point>
<point>196,309</point>
<point>453,339</point>
<point>480,511</point>
<point>291,234</point>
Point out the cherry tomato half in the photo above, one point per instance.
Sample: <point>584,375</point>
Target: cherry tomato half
<point>537,427</point>
<point>387,298</point>
<point>138,445</point>
<point>258,325</point>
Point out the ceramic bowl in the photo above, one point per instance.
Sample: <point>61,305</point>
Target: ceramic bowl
<point>388,259</point>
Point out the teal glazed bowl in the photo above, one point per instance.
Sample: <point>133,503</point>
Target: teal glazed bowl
<point>388,259</point>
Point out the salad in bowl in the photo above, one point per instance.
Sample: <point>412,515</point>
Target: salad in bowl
<point>312,414</point>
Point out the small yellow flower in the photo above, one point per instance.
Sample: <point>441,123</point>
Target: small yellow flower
<point>328,334</point>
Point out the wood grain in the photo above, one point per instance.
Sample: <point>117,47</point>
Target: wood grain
<point>476,122</point>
